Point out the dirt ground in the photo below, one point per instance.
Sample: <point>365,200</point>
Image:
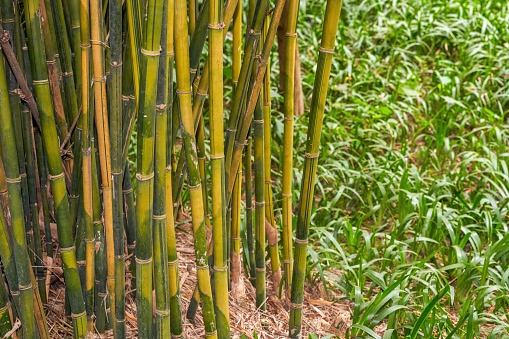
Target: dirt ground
<point>321,316</point>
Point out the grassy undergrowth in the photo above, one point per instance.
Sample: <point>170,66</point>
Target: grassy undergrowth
<point>411,211</point>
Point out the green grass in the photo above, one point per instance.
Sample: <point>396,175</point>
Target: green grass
<point>411,206</point>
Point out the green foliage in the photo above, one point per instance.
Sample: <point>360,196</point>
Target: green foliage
<point>410,216</point>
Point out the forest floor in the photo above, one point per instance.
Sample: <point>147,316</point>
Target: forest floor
<point>321,316</point>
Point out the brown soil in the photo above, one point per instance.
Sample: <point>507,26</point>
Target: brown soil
<point>321,316</point>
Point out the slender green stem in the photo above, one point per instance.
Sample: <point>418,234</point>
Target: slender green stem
<point>316,114</point>
<point>161,276</point>
<point>42,91</point>
<point>13,178</point>
<point>145,170</point>
<point>217,167</point>
<point>270,223</point>
<point>249,208</point>
<point>289,72</point>
<point>117,160</point>
<point>188,132</point>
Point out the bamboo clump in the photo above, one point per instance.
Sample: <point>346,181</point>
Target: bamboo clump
<point>90,74</point>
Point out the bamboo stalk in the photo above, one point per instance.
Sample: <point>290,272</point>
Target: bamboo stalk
<point>102,304</point>
<point>7,253</point>
<point>249,208</point>
<point>43,192</point>
<point>9,21</point>
<point>5,310</point>
<point>135,41</point>
<point>270,224</point>
<point>32,195</point>
<point>103,142</point>
<point>51,64</point>
<point>145,171</point>
<point>74,37</point>
<point>128,108</point>
<point>173,269</point>
<point>4,198</point>
<point>65,57</point>
<point>129,220</point>
<point>86,127</point>
<point>320,87</point>
<point>88,214</point>
<point>42,91</point>
<point>13,179</point>
<point>188,131</point>
<point>117,160</point>
<point>237,288</point>
<point>259,206</point>
<point>161,275</point>
<point>216,27</point>
<point>289,72</point>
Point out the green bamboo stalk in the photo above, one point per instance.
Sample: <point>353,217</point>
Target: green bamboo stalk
<point>10,25</point>
<point>87,199</point>
<point>270,224</point>
<point>74,35</point>
<point>85,127</point>
<point>5,321</point>
<point>128,101</point>
<point>80,244</point>
<point>188,131</point>
<point>13,179</point>
<point>193,17</point>
<point>236,203</point>
<point>63,115</point>
<point>103,143</point>
<point>7,255</point>
<point>173,268</point>
<point>259,206</point>
<point>5,310</point>
<point>28,139</point>
<point>216,27</point>
<point>102,305</point>
<point>129,220</point>
<point>135,41</point>
<point>32,195</point>
<point>249,208</point>
<point>160,237</point>
<point>65,57</point>
<point>43,193</point>
<point>320,87</point>
<point>128,109</point>
<point>117,160</point>
<point>200,139</point>
<point>51,64</point>
<point>69,23</point>
<point>43,94</point>
<point>4,198</point>
<point>145,171</point>
<point>235,236</point>
<point>291,46</point>
<point>40,317</point>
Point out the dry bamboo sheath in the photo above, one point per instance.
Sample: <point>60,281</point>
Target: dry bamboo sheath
<point>89,83</point>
